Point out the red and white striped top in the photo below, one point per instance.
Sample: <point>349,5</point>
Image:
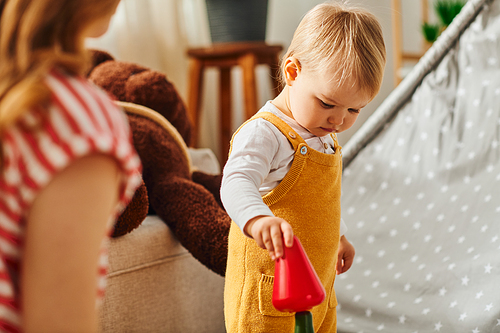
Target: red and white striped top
<point>80,120</point>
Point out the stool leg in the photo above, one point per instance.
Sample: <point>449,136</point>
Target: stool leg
<point>194,97</point>
<point>248,63</point>
<point>225,113</point>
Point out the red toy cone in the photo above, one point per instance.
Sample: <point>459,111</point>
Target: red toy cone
<point>297,287</point>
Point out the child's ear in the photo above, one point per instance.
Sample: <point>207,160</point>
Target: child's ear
<point>291,69</point>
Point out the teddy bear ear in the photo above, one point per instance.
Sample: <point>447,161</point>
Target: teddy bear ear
<point>97,57</point>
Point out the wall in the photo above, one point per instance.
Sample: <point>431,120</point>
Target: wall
<point>156,33</point>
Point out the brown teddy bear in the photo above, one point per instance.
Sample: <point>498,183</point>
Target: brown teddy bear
<point>188,202</point>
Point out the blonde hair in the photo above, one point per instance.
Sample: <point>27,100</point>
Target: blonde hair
<point>346,39</point>
<point>36,36</point>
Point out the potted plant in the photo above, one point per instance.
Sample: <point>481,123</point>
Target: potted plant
<point>237,20</point>
<point>446,10</point>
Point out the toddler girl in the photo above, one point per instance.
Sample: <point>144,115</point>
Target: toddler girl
<point>283,175</point>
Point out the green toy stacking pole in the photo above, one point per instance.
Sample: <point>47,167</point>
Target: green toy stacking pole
<point>297,287</point>
<point>304,322</point>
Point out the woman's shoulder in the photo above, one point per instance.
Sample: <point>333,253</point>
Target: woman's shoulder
<point>79,121</point>
<point>77,94</point>
<point>83,109</point>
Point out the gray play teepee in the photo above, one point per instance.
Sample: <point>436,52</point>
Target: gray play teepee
<point>421,192</point>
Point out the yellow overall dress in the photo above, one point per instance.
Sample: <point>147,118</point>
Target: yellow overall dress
<point>308,198</point>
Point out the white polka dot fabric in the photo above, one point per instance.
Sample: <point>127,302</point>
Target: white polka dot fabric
<point>422,201</point>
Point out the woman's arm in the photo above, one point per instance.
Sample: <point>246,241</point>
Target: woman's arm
<point>65,227</point>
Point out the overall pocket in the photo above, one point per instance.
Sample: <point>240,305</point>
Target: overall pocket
<point>266,307</point>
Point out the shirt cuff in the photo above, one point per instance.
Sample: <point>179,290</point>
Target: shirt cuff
<point>343,227</point>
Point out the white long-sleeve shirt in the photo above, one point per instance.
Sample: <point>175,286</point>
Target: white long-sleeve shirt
<point>260,158</point>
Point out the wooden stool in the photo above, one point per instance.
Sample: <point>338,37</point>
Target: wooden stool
<point>224,56</point>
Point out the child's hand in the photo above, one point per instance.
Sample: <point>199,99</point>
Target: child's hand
<point>345,256</point>
<point>269,233</point>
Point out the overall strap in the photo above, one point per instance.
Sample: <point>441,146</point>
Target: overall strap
<point>292,136</point>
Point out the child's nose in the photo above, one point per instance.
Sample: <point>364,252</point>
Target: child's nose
<point>337,118</point>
